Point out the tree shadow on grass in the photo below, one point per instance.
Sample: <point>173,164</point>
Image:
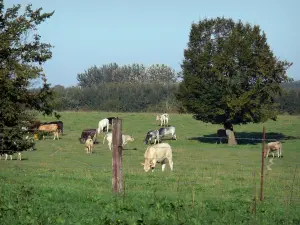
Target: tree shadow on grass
<point>245,138</point>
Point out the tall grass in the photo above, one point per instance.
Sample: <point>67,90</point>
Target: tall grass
<point>211,183</point>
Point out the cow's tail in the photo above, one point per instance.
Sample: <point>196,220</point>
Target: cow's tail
<point>104,138</point>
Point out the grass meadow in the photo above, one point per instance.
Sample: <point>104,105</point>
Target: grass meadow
<point>59,183</point>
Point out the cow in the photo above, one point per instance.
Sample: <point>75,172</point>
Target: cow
<point>167,131</point>
<point>89,143</point>
<point>103,124</point>
<point>10,153</point>
<point>34,125</point>
<point>272,147</point>
<point>152,135</point>
<point>59,124</point>
<point>88,132</point>
<point>51,128</point>
<point>221,134</point>
<point>164,119</point>
<point>158,153</point>
<point>110,120</point>
<point>125,139</point>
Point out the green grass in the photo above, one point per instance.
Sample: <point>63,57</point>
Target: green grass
<point>211,183</point>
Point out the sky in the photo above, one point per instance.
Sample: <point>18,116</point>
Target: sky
<point>98,32</point>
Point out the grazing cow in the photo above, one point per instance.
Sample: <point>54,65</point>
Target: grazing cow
<point>167,131</point>
<point>34,125</point>
<point>51,128</point>
<point>125,139</point>
<point>272,147</point>
<point>164,119</point>
<point>152,135</point>
<point>158,154</point>
<point>103,124</point>
<point>88,132</point>
<point>60,125</point>
<point>89,143</point>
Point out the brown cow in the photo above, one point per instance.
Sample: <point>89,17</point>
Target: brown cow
<point>51,128</point>
<point>272,147</point>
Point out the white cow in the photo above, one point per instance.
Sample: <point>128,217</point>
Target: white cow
<point>272,147</point>
<point>125,139</point>
<point>158,154</point>
<point>164,119</point>
<point>102,124</point>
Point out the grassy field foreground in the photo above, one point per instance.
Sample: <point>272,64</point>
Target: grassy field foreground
<point>211,183</point>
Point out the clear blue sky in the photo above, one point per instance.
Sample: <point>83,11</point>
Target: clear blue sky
<point>97,32</point>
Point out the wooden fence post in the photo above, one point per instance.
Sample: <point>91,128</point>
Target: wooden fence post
<point>117,156</point>
<point>262,165</point>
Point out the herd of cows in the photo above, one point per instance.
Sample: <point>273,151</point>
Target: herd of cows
<point>157,152</point>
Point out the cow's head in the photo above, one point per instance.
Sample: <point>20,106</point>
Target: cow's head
<point>147,166</point>
<point>157,117</point>
<point>148,138</point>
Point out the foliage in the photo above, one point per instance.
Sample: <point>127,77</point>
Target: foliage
<point>133,74</point>
<point>21,57</point>
<point>230,73</point>
<point>117,97</point>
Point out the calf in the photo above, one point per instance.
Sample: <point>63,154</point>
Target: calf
<point>272,147</point>
<point>164,119</point>
<point>89,143</point>
<point>158,154</point>
<point>125,139</point>
<point>152,135</point>
<point>167,131</point>
<point>86,133</point>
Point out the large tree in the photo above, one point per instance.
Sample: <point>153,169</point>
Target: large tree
<point>230,73</point>
<point>22,55</point>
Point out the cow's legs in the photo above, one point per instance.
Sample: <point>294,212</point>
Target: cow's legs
<point>163,165</point>
<point>171,164</point>
<point>20,155</point>
<point>174,136</point>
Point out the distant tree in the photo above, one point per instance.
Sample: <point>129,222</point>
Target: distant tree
<point>230,73</point>
<point>21,57</point>
<point>160,73</point>
<point>135,74</point>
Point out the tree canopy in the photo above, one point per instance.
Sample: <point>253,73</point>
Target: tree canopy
<point>230,73</point>
<point>133,74</point>
<point>22,55</point>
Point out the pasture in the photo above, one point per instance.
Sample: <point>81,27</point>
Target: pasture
<point>211,183</point>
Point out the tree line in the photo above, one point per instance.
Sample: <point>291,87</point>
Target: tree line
<point>136,88</point>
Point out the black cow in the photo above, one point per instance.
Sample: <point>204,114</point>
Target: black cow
<point>88,132</point>
<point>221,134</point>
